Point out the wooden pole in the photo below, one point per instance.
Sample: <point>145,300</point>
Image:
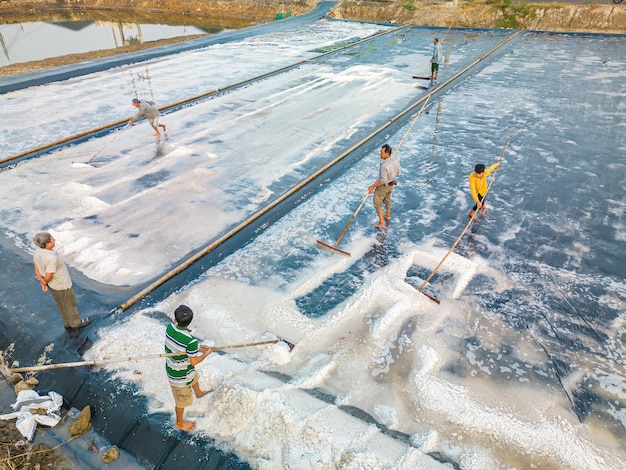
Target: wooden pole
<point>88,162</point>
<point>136,358</point>
<point>358,209</point>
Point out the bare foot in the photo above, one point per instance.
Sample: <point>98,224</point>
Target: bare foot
<point>484,210</point>
<point>186,426</point>
<point>379,224</point>
<point>387,217</point>
<point>201,394</point>
<point>156,134</point>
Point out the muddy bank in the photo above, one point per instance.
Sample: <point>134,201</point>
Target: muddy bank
<point>36,65</point>
<point>495,14</point>
<point>53,15</point>
<point>17,453</point>
<point>251,10</point>
<point>605,18</point>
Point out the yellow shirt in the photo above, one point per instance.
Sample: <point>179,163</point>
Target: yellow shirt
<point>479,185</point>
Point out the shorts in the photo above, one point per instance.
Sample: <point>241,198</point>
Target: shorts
<point>434,66</point>
<point>382,195</point>
<point>154,122</point>
<point>183,396</point>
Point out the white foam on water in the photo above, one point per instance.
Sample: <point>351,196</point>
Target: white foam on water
<point>384,351</point>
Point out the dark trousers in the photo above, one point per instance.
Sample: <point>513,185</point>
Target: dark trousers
<point>480,198</point>
<point>66,303</point>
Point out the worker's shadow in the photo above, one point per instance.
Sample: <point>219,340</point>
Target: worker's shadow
<point>471,243</point>
<point>467,248</point>
<point>76,341</point>
<point>380,252</point>
<point>159,150</point>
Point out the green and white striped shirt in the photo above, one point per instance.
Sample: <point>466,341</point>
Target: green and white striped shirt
<point>179,370</point>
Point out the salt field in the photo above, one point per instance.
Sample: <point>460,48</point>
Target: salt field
<point>520,365</point>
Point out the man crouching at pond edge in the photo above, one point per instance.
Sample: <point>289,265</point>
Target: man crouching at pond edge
<point>180,368</point>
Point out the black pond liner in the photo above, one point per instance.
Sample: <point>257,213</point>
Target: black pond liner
<point>29,322</point>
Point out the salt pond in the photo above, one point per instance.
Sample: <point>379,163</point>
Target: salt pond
<point>521,365</point>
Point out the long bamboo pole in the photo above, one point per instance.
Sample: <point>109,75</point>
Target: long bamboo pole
<point>136,358</point>
<point>117,134</point>
<point>334,247</point>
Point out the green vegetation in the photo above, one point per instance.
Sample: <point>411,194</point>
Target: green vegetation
<point>280,15</point>
<point>409,5</point>
<point>511,13</point>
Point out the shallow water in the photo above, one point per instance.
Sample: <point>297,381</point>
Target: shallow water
<point>55,34</point>
<point>521,365</point>
<point>26,42</point>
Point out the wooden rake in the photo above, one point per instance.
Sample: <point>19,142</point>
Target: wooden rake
<point>334,247</point>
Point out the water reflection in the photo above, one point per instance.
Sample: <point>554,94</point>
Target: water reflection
<point>61,34</point>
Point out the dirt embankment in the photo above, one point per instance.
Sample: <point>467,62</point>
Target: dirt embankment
<point>606,18</point>
<point>599,18</point>
<point>254,10</point>
<point>37,65</point>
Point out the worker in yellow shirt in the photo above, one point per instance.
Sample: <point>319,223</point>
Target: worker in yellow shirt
<point>478,187</point>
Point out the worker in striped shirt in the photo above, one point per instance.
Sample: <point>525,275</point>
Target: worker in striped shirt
<point>180,368</point>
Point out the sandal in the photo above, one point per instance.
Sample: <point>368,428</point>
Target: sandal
<point>83,323</point>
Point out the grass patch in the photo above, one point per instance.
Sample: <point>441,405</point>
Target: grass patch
<point>512,13</point>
